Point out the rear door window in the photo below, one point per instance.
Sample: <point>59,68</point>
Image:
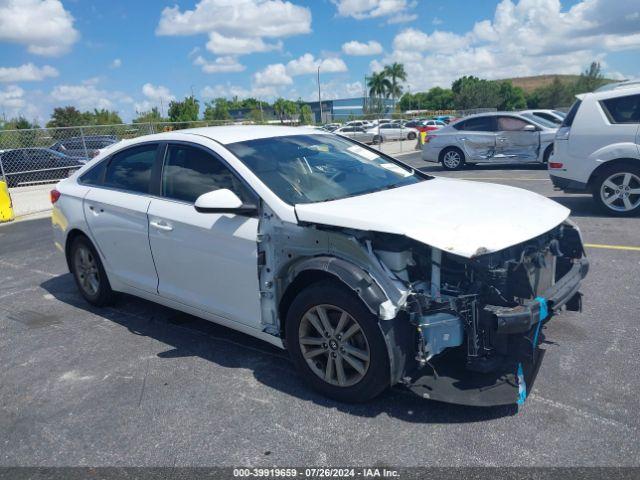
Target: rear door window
<point>480,124</point>
<point>131,169</point>
<point>622,109</point>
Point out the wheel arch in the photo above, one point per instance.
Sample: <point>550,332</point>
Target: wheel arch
<point>71,236</point>
<point>312,270</point>
<point>622,162</point>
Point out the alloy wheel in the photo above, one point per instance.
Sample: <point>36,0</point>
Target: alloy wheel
<point>334,345</point>
<point>452,159</point>
<point>620,192</point>
<point>86,270</point>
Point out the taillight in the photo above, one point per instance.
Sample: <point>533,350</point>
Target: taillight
<point>54,195</point>
<point>555,165</point>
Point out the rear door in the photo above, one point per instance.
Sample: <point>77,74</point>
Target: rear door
<point>477,136</point>
<point>116,211</point>
<point>204,260</point>
<point>514,143</point>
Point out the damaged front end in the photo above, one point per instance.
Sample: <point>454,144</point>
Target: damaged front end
<point>479,320</point>
<point>460,330</point>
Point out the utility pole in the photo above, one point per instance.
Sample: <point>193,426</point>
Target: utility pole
<point>319,96</point>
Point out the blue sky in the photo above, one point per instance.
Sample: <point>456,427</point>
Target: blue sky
<point>132,55</point>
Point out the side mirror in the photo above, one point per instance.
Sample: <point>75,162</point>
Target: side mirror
<point>530,128</point>
<point>223,201</point>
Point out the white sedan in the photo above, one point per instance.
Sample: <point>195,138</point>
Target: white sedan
<point>393,131</point>
<point>357,264</point>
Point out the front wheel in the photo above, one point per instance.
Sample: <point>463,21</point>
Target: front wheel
<point>617,191</point>
<point>452,159</point>
<point>336,344</point>
<point>377,139</point>
<point>411,136</point>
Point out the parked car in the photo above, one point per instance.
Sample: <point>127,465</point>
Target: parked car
<point>330,127</point>
<point>554,116</point>
<point>393,131</point>
<point>358,123</point>
<point>85,147</point>
<point>432,125</point>
<point>317,244</point>
<point>498,137</point>
<point>597,150</point>
<point>447,119</point>
<point>358,133</point>
<point>36,165</point>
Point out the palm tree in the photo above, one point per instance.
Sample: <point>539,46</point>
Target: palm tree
<point>396,73</point>
<point>379,87</point>
<point>280,108</point>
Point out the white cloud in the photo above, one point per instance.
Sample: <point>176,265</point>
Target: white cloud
<point>27,73</point>
<point>437,21</point>
<point>402,18</point>
<point>275,74</point>
<point>12,98</point>
<point>230,91</point>
<point>361,9</point>
<point>307,64</point>
<point>226,64</point>
<point>237,27</point>
<point>525,37</point>
<point>116,63</point>
<point>358,48</point>
<point>44,26</point>
<point>221,45</point>
<point>157,92</point>
<point>88,95</point>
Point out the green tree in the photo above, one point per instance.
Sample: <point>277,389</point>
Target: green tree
<point>511,98</point>
<point>217,109</point>
<point>471,92</point>
<point>305,115</point>
<point>103,117</point>
<point>67,117</point>
<point>379,88</point>
<point>591,79</point>
<point>256,115</point>
<point>184,111</point>
<point>151,116</point>
<point>395,73</point>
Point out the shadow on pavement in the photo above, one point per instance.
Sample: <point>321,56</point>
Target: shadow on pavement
<point>191,336</point>
<point>433,167</point>
<point>580,206</point>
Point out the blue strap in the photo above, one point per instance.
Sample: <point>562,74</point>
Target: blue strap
<point>544,313</point>
<point>522,386</point>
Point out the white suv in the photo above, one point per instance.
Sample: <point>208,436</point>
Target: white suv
<point>597,149</point>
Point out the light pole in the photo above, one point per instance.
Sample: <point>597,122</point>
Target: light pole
<point>319,97</point>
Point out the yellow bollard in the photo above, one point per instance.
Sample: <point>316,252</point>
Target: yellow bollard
<point>6,208</point>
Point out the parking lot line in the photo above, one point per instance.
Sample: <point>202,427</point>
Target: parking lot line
<point>612,247</point>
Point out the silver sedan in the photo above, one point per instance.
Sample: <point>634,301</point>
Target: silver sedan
<point>499,138</point>
<point>359,134</point>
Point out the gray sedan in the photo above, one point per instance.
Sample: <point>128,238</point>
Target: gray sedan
<point>498,138</point>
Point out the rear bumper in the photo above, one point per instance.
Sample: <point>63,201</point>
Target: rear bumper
<point>568,185</point>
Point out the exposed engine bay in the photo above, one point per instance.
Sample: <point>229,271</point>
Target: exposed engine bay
<point>462,330</point>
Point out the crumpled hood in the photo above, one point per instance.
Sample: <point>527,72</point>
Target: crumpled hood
<point>462,217</point>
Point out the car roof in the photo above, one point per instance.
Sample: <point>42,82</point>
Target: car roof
<point>240,133</point>
<point>621,90</point>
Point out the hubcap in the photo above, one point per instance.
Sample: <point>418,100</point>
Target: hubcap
<point>621,192</point>
<point>86,269</point>
<point>452,159</point>
<point>334,345</point>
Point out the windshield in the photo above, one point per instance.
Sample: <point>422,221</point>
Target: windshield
<point>318,168</point>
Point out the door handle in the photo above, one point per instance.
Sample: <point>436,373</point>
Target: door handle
<point>160,225</point>
<point>502,139</point>
<point>95,211</point>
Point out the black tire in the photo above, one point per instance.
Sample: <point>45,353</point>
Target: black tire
<point>411,136</point>
<point>328,294</point>
<point>618,207</point>
<point>447,159</point>
<point>103,295</point>
<point>377,139</point>
<point>547,154</point>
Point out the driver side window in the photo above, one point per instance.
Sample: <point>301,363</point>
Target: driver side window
<point>189,172</point>
<point>511,124</point>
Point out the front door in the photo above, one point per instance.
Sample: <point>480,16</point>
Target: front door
<point>204,260</point>
<point>116,212</point>
<point>514,143</point>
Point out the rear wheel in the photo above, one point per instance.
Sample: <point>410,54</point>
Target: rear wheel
<point>617,191</point>
<point>411,136</point>
<point>452,158</point>
<point>89,273</point>
<point>336,343</point>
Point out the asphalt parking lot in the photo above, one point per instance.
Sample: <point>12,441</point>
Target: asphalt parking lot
<point>142,385</point>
